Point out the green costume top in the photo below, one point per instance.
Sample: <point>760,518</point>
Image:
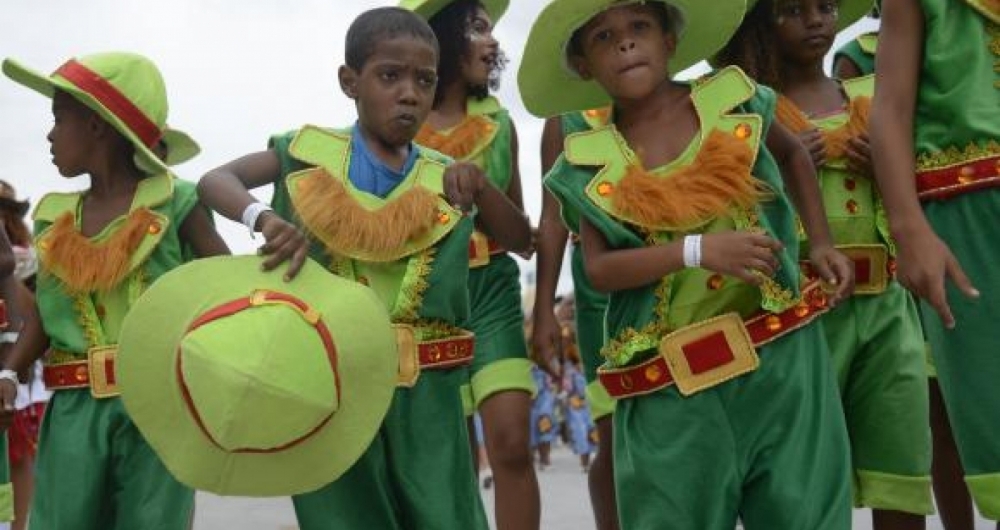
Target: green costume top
<point>861,52</point>
<point>411,248</point>
<point>483,138</point>
<point>958,104</point>
<point>853,206</point>
<point>598,169</point>
<point>86,285</point>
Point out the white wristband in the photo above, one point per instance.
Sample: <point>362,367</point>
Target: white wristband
<point>692,251</point>
<point>9,337</point>
<point>252,213</point>
<point>10,375</point>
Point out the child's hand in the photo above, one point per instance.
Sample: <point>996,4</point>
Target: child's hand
<point>925,264</point>
<point>284,242</point>
<point>859,156</point>
<point>835,270</point>
<point>463,183</point>
<point>745,255</point>
<point>546,342</point>
<point>816,145</point>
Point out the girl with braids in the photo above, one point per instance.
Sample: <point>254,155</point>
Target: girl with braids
<point>469,125</point>
<point>874,336</point>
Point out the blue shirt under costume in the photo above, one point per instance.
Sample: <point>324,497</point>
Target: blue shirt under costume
<point>371,175</point>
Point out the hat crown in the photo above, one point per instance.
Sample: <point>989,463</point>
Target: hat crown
<point>260,362</point>
<point>136,78</point>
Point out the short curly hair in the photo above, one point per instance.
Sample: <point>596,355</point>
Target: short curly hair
<point>379,24</point>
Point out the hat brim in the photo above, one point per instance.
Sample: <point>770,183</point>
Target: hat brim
<point>549,86</point>
<point>145,159</point>
<point>429,8</point>
<point>155,325</point>
<point>180,146</point>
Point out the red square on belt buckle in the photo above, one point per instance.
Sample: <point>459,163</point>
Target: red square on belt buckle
<point>708,353</point>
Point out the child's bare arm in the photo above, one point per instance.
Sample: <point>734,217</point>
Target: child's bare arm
<point>226,190</point>
<point>799,175</point>
<point>465,185</point>
<point>546,336</point>
<point>198,231</point>
<point>31,343</point>
<point>743,255</point>
<point>924,260</point>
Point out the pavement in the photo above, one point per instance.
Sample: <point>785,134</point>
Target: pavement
<point>565,505</point>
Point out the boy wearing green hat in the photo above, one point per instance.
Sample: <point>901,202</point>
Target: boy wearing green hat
<point>936,139</point>
<point>377,209</point>
<point>590,308</point>
<point>727,406</point>
<point>99,250</point>
<point>874,336</point>
<point>467,124</point>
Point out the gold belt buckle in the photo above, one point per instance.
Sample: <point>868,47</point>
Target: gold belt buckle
<point>481,247</point>
<point>724,337</point>
<point>877,259</point>
<point>409,358</point>
<point>102,383</point>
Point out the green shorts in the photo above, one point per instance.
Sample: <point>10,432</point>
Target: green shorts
<point>769,447</point>
<point>878,355</point>
<point>416,474</point>
<point>967,357</point>
<point>501,360</point>
<point>96,472</point>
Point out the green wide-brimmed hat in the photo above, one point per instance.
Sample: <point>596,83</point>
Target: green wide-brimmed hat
<point>245,384</point>
<point>429,8</point>
<point>548,84</point>
<point>180,146</point>
<point>849,11</point>
<point>125,89</point>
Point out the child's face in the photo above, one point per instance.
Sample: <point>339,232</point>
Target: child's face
<point>394,90</point>
<point>626,50</point>
<point>482,51</point>
<point>805,29</point>
<point>71,136</point>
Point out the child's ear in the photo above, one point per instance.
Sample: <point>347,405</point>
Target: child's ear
<point>670,42</point>
<point>579,65</point>
<point>348,81</point>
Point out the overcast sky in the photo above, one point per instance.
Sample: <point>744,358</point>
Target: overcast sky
<point>236,72</point>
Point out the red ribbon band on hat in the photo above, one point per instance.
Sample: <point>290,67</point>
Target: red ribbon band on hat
<point>232,308</point>
<point>116,102</point>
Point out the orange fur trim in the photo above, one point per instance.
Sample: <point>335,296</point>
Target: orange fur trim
<point>717,181</point>
<point>84,265</point>
<point>330,212</point>
<point>462,141</point>
<point>836,140</point>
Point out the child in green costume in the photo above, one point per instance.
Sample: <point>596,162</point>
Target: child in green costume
<point>375,208</point>
<point>14,297</point>
<point>936,138</point>
<point>698,255</point>
<point>875,339</point>
<point>467,124</point>
<point>99,250</point>
<point>590,308</point>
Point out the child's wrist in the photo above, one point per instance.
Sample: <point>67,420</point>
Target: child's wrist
<point>692,251</point>
<point>252,213</point>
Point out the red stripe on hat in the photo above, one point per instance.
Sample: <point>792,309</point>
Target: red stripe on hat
<point>116,102</point>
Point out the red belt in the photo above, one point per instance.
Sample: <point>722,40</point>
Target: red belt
<point>956,180</point>
<point>97,372</point>
<point>702,355</point>
<point>439,354</point>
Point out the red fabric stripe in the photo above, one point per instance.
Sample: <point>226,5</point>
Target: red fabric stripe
<point>965,178</point>
<point>116,102</point>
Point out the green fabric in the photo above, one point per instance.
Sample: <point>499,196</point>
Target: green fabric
<point>985,489</point>
<point>853,206</point>
<point>877,352</point>
<point>114,481</point>
<point>590,308</point>
<point>497,318</point>
<point>501,376</point>
<point>416,474</point>
<point>769,447</point>
<point>686,296</point>
<point>497,160</point>
<point>966,359</point>
<point>173,199</point>
<point>958,103</point>
<point>860,52</point>
<point>548,85</point>
<point>6,487</point>
<point>441,271</point>
<point>601,403</point>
